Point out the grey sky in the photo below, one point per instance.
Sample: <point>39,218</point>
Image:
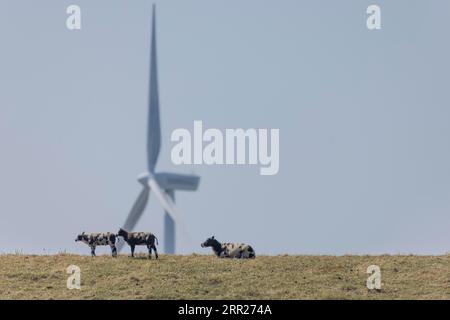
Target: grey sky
<point>363,119</point>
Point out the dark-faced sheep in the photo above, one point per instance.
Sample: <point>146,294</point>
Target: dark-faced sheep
<point>229,250</point>
<point>140,238</point>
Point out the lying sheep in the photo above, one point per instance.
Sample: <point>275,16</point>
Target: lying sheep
<point>229,250</point>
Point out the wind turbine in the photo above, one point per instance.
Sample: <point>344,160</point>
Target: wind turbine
<point>163,184</point>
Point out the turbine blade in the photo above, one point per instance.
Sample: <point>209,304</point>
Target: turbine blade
<point>166,202</point>
<point>169,206</point>
<point>154,126</point>
<point>174,181</point>
<point>135,213</point>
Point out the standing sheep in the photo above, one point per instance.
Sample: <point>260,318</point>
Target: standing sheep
<point>99,239</point>
<point>140,238</point>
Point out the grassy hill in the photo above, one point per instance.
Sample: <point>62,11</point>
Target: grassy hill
<point>206,277</point>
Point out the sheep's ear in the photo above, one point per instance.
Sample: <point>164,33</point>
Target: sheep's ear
<point>84,232</point>
<point>212,237</point>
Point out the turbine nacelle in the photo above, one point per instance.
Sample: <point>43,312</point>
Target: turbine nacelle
<point>143,178</point>
<point>171,181</point>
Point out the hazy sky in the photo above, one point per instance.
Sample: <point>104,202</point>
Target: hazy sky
<point>363,118</point>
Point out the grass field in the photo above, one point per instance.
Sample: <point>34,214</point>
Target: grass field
<point>206,277</point>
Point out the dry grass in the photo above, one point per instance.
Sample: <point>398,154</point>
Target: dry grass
<point>206,277</point>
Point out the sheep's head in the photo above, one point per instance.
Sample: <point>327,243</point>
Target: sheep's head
<point>81,237</point>
<point>210,242</point>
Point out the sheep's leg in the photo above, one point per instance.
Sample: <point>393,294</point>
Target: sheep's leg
<point>132,250</point>
<point>149,247</point>
<point>156,251</point>
<point>92,251</point>
<point>114,250</point>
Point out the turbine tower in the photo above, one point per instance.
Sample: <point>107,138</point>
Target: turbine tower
<point>163,184</point>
